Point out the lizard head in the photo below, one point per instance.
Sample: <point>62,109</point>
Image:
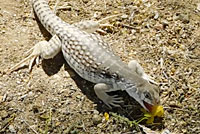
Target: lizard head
<point>146,94</point>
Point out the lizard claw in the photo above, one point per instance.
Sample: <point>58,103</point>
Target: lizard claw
<point>36,59</point>
<point>101,89</point>
<point>113,101</point>
<point>34,56</point>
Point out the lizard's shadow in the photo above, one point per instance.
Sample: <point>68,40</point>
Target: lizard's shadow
<point>130,108</point>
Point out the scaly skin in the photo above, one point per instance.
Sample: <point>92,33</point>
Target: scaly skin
<point>92,59</point>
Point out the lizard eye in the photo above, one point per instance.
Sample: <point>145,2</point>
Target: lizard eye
<point>147,95</point>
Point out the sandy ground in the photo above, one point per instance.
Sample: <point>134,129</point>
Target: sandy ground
<point>164,36</point>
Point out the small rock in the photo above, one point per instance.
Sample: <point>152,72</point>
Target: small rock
<point>12,129</point>
<point>3,114</point>
<point>169,117</point>
<point>57,123</point>
<point>1,98</point>
<point>96,119</point>
<point>176,16</point>
<point>165,131</point>
<point>165,23</point>
<point>124,16</point>
<point>18,82</point>
<point>184,131</point>
<point>3,31</point>
<point>96,112</point>
<point>133,31</point>
<point>156,15</point>
<point>144,1</point>
<point>183,123</point>
<point>79,97</point>
<point>158,26</point>
<point>182,17</point>
<point>198,6</point>
<point>172,103</point>
<point>85,1</point>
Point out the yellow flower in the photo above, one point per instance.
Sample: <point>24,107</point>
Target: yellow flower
<point>106,115</point>
<point>156,111</point>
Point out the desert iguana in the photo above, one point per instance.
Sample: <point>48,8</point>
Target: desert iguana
<point>92,59</point>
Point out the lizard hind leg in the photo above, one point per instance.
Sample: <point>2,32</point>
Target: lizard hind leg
<point>101,89</point>
<point>43,49</point>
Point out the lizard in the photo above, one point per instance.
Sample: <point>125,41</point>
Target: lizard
<point>92,59</point>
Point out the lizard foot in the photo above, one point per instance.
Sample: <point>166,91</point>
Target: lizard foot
<point>101,89</point>
<point>113,101</point>
<point>34,56</point>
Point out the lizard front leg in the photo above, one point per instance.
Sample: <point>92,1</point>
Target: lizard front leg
<point>101,89</point>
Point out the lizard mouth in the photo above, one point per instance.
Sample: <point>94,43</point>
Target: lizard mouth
<point>148,106</point>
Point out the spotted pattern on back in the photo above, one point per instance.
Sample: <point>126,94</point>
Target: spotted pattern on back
<point>86,53</point>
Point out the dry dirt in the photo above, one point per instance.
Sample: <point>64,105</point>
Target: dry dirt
<point>164,36</point>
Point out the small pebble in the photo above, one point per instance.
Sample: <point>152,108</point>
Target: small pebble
<point>1,98</point>
<point>79,97</point>
<point>3,114</point>
<point>96,119</point>
<point>124,16</point>
<point>182,17</point>
<point>3,31</point>
<point>166,131</point>
<point>159,26</point>
<point>96,112</point>
<point>156,15</point>
<point>198,6</point>
<point>18,82</point>
<point>12,129</point>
